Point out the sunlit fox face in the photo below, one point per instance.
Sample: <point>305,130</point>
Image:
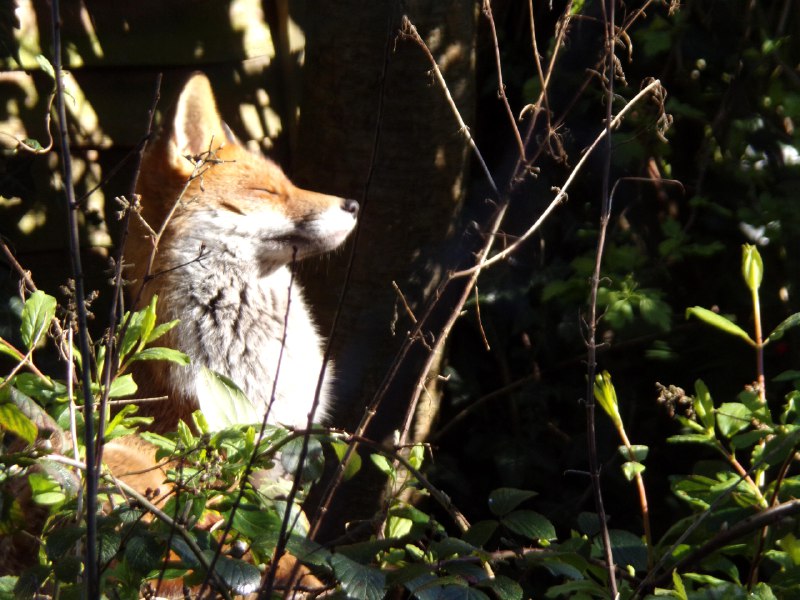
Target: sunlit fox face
<point>244,203</point>
<point>238,203</point>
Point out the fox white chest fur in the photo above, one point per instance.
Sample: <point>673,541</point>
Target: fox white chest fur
<point>221,267</point>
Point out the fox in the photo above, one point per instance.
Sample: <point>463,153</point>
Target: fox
<point>230,225</point>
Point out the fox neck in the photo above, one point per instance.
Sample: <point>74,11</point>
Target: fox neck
<point>233,315</point>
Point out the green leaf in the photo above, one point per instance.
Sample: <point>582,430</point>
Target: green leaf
<point>788,323</point>
<point>241,577</point>
<point>719,322</point>
<point>504,588</point>
<point>480,533</point>
<point>37,314</point>
<point>635,451</point>
<point>752,267</point>
<point>63,540</point>
<point>530,524</point>
<point>503,500</point>
<point>14,420</point>
<point>45,65</point>
<point>358,581</point>
<point>627,549</point>
<point>703,404</point>
<point>161,330</point>
<point>354,464</point>
<point>143,552</point>
<point>45,491</point>
<point>732,417</point>
<point>631,469</point>
<point>9,350</point>
<point>223,403</point>
<point>122,386</point>
<point>383,464</point>
<point>260,526</point>
<point>162,353</point>
<point>314,460</point>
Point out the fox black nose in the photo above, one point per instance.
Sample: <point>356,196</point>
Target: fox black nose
<point>350,206</point>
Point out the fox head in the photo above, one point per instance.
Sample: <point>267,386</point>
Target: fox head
<point>214,193</point>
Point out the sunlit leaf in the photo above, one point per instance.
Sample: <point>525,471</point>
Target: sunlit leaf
<point>12,419</point>
<point>161,353</point>
<point>732,417</point>
<point>719,322</point>
<point>354,463</point>
<point>37,314</point>
<point>223,403</point>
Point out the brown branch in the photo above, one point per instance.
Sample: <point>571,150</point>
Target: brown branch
<point>501,87</point>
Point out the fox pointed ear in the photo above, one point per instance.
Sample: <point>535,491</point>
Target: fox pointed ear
<point>197,127</point>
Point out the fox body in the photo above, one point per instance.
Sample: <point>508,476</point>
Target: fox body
<point>232,224</point>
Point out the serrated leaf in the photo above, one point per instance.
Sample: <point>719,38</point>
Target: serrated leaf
<point>732,417</point>
<point>504,588</point>
<point>163,353</point>
<point>14,420</point>
<point>63,540</point>
<point>143,553</point>
<point>261,526</point>
<point>788,323</point>
<point>503,500</point>
<point>223,403</point>
<point>358,581</point>
<point>37,314</point>
<point>719,322</point>
<point>530,524</point>
<point>241,577</point>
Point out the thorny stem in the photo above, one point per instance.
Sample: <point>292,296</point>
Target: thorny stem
<point>90,575</point>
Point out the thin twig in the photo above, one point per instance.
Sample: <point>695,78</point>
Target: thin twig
<point>157,512</point>
<point>654,85</point>
<point>501,87</point>
<point>112,359</point>
<point>591,337</point>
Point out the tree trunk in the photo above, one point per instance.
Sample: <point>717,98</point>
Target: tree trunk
<point>375,126</point>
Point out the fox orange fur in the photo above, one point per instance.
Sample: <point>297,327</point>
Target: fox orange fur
<point>232,223</point>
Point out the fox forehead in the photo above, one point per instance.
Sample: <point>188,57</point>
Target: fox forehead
<point>241,181</point>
